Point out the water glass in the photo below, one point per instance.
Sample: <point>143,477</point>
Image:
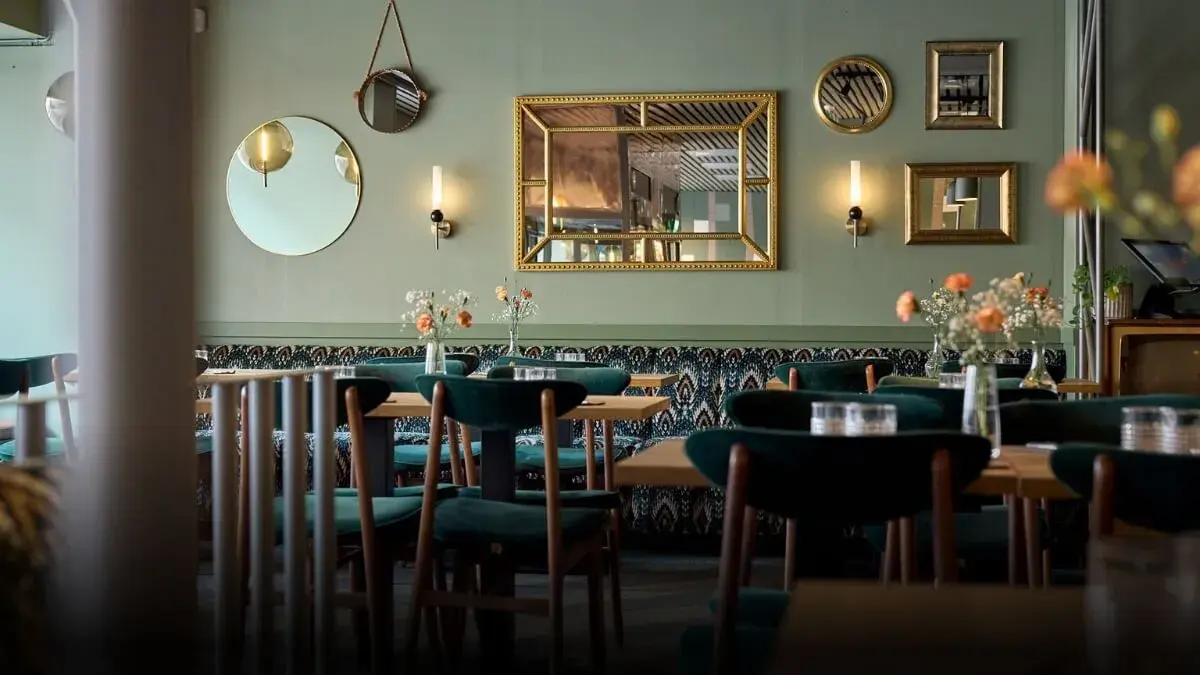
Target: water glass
<point>871,419</point>
<point>1181,433</point>
<point>523,373</point>
<point>565,356</point>
<point>981,405</point>
<point>828,419</point>
<point>951,380</point>
<point>1142,428</point>
<point>344,372</point>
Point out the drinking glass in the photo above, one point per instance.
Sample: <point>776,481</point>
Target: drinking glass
<point>981,405</point>
<point>565,356</point>
<point>828,419</point>
<point>1181,433</point>
<point>344,372</point>
<point>951,380</point>
<point>871,419</point>
<point>522,373</point>
<point>1142,428</point>
<point>549,373</point>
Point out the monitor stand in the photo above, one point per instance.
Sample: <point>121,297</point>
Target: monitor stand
<point>1159,302</point>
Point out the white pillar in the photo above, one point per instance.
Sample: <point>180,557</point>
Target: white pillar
<point>129,583</point>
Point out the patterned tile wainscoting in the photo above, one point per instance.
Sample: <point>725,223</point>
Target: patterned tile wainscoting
<point>706,376</point>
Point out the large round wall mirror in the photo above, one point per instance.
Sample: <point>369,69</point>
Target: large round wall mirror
<point>390,100</point>
<point>60,103</point>
<point>853,94</point>
<point>293,186</point>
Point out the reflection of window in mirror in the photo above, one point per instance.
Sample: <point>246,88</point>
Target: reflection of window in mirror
<point>963,85</point>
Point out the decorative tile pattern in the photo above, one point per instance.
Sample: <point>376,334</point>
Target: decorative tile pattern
<point>706,376</point>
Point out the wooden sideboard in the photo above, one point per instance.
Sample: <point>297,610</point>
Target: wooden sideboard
<point>1159,356</point>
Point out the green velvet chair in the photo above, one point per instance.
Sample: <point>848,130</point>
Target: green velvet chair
<point>951,400</point>
<point>848,375</point>
<point>792,410</point>
<point>470,361</point>
<point>1151,490</point>
<point>401,377</point>
<point>1057,371</point>
<point>545,363</point>
<point>838,480</point>
<point>907,381</point>
<point>545,533</point>
<point>18,376</point>
<point>1096,420</point>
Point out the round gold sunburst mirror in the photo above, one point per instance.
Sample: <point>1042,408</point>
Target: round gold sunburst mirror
<point>853,95</point>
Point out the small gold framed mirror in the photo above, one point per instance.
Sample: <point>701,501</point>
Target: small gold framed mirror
<point>853,95</point>
<point>961,203</point>
<point>964,85</point>
<point>390,100</point>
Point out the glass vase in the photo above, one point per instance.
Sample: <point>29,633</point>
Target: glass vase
<point>513,349</point>
<point>936,359</point>
<point>1038,377</point>
<point>981,405</point>
<point>435,358</point>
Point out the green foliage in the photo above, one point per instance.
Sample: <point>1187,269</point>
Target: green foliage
<point>1114,279</point>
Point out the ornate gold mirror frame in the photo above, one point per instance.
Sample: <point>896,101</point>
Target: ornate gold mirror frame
<point>646,181</point>
<point>961,203</point>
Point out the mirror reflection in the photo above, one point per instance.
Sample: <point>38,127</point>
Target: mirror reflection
<point>692,186</point>
<point>60,103</point>
<point>853,95</point>
<point>965,86</point>
<point>293,186</point>
<point>968,204</point>
<point>390,100</point>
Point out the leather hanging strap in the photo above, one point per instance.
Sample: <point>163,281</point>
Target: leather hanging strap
<point>390,9</point>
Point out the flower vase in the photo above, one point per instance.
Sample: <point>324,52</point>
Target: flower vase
<point>936,359</point>
<point>981,405</point>
<point>513,349</point>
<point>1038,377</point>
<point>435,358</point>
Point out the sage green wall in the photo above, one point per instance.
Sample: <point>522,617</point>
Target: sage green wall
<point>271,58</point>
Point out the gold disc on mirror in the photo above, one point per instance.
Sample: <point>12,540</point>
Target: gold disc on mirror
<point>267,149</point>
<point>346,163</point>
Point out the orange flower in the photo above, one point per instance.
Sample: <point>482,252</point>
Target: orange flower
<point>502,294</point>
<point>1036,294</point>
<point>1079,181</point>
<point>463,319</point>
<point>526,293</point>
<point>959,283</point>
<point>989,319</point>
<point>1186,183</point>
<point>906,306</point>
<point>424,323</point>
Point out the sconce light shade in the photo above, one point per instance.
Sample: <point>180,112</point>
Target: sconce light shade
<point>854,224</point>
<point>346,163</point>
<point>966,189</point>
<point>267,148</point>
<point>440,226</point>
<point>435,197</point>
<point>855,182</point>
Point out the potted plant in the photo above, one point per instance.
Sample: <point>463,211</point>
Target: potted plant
<point>1118,293</point>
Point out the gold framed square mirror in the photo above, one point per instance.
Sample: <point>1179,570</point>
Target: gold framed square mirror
<point>646,182</point>
<point>964,85</point>
<point>961,203</point>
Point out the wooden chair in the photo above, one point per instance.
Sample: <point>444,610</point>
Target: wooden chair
<point>835,479</point>
<point>18,376</point>
<point>474,529</point>
<point>849,375</point>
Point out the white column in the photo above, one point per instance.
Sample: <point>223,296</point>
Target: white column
<point>129,583</point>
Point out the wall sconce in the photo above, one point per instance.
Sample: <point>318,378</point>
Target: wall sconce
<point>855,224</point>
<point>440,226</point>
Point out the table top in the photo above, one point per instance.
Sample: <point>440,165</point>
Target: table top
<point>612,408</point>
<point>636,380</point>
<point>216,376</point>
<point>1020,471</point>
<point>1073,386</point>
<point>980,629</point>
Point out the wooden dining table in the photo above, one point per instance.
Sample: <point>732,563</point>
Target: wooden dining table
<point>1021,475</point>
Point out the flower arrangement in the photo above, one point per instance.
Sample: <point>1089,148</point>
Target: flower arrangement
<point>971,319</point>
<point>938,306</point>
<point>435,321</point>
<point>1037,311</point>
<point>517,306</point>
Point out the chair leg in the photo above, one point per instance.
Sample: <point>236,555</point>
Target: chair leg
<point>891,552</point>
<point>789,554</point>
<point>596,603</point>
<point>614,580</point>
<point>908,550</point>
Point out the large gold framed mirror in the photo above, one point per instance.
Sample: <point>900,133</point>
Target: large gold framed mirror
<point>647,181</point>
<point>964,85</point>
<point>853,95</point>
<point>961,203</point>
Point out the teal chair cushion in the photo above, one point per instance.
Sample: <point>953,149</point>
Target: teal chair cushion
<point>951,400</point>
<point>470,361</point>
<point>792,410</point>
<point>444,490</point>
<point>390,512</point>
<point>848,375</point>
<point>1096,420</point>
<point>401,377</point>
<point>501,405</point>
<point>54,447</point>
<point>414,456</point>
<point>31,372</point>
<point>569,459</point>
<point>1152,490</point>
<point>753,648</point>
<point>763,607</point>
<point>839,480</point>
<point>588,499</point>
<point>907,381</point>
<point>545,363</point>
<point>600,381</point>
<point>477,522</point>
